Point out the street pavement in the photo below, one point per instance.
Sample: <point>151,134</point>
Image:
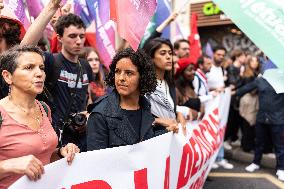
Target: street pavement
<point>238,178</point>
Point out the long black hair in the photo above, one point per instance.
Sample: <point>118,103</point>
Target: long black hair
<point>152,46</point>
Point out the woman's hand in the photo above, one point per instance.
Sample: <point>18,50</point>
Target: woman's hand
<point>172,17</point>
<point>169,124</point>
<point>28,165</point>
<point>69,151</point>
<point>54,3</point>
<point>182,121</point>
<point>172,125</point>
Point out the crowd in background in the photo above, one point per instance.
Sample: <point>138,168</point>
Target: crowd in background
<point>143,94</point>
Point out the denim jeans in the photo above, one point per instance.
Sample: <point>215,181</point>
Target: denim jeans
<point>221,153</point>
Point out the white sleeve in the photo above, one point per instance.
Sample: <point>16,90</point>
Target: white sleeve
<point>183,109</point>
<point>195,84</point>
<point>205,98</point>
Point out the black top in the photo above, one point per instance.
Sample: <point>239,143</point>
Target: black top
<point>108,126</point>
<point>234,77</point>
<point>271,104</point>
<point>134,117</point>
<point>66,81</point>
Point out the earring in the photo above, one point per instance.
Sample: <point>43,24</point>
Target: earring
<point>9,91</point>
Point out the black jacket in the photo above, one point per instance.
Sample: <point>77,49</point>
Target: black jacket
<point>108,127</point>
<point>271,104</point>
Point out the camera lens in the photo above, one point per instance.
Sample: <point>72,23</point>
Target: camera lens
<point>80,119</point>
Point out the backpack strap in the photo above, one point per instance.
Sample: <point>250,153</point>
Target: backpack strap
<point>46,109</point>
<point>52,77</point>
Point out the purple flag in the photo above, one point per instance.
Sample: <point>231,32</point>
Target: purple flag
<point>80,9</point>
<point>17,7</point>
<point>105,33</point>
<point>208,50</point>
<point>34,7</point>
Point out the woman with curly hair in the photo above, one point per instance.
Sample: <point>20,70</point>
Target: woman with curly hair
<point>124,117</point>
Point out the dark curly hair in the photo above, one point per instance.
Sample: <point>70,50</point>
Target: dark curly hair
<point>67,20</point>
<point>146,69</point>
<point>152,46</point>
<point>10,31</point>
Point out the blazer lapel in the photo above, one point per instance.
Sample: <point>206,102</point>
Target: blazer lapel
<point>146,123</point>
<point>125,131</point>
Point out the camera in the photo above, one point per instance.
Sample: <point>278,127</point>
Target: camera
<point>78,119</point>
<point>75,120</point>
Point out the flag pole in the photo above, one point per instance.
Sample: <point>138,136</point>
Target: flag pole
<point>173,24</point>
<point>183,5</point>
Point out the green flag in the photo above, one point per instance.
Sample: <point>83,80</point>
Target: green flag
<point>262,21</point>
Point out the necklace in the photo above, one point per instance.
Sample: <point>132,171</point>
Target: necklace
<point>37,118</point>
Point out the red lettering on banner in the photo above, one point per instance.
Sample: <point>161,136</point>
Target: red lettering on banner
<point>213,128</point>
<point>94,184</point>
<point>197,155</point>
<point>204,147</point>
<point>197,133</point>
<point>209,135</point>
<point>185,166</point>
<point>215,120</point>
<point>140,179</point>
<point>200,181</point>
<point>204,154</point>
<point>167,174</point>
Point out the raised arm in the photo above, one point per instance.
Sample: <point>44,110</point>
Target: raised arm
<point>35,31</point>
<point>166,22</point>
<point>161,27</point>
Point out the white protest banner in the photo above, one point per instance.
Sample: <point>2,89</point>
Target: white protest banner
<point>169,161</point>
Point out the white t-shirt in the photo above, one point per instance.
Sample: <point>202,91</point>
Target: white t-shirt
<point>215,78</point>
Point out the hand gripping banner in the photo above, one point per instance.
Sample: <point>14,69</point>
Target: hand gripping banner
<point>169,161</point>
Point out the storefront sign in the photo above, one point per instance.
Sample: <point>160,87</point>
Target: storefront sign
<point>210,9</point>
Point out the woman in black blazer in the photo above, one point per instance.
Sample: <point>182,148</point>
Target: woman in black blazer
<point>124,116</point>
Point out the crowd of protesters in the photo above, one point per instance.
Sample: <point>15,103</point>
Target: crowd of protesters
<point>75,103</point>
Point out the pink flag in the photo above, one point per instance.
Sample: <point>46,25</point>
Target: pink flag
<point>132,18</point>
<point>194,39</point>
<point>7,13</point>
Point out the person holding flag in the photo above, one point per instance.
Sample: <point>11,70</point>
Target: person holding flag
<point>161,27</point>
